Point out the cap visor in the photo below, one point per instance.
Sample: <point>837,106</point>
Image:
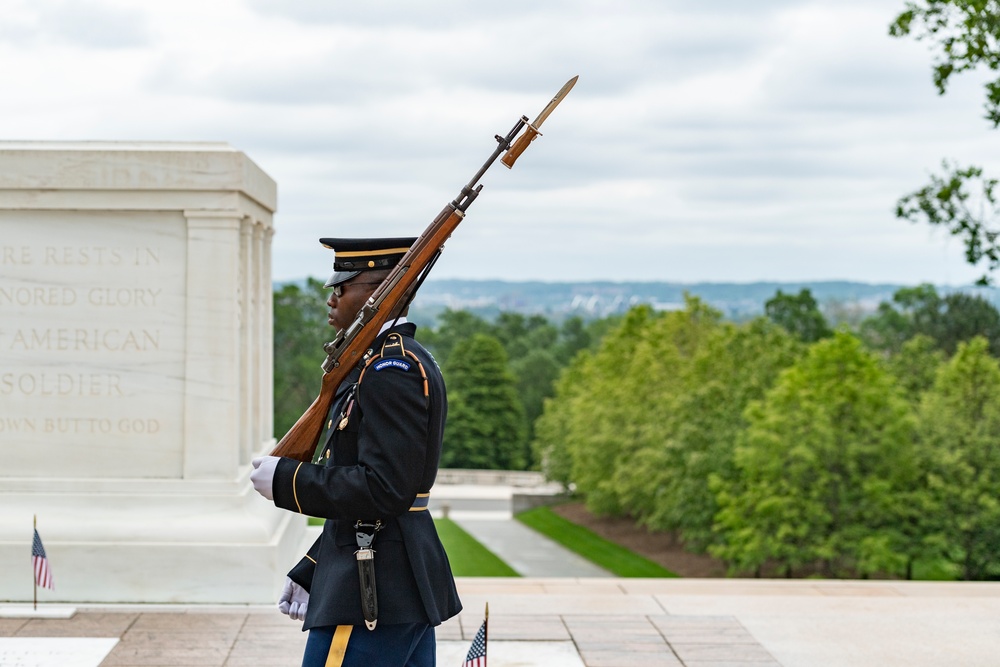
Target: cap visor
<point>340,277</point>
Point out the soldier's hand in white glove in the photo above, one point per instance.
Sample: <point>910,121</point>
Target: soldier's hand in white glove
<point>262,476</point>
<point>294,601</point>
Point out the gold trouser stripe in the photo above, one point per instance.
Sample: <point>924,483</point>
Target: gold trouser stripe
<point>295,492</point>
<point>338,647</point>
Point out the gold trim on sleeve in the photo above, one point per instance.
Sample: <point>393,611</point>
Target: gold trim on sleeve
<point>295,492</point>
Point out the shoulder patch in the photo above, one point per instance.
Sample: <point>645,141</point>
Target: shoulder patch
<point>392,363</point>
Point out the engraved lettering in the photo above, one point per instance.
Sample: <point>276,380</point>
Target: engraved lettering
<point>147,256</point>
<point>92,340</point>
<point>136,426</point>
<point>94,426</point>
<point>61,384</point>
<point>15,255</point>
<point>127,297</point>
<point>37,296</point>
<point>17,425</point>
<point>82,256</point>
<point>77,425</point>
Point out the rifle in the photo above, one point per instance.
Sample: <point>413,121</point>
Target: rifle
<point>351,345</point>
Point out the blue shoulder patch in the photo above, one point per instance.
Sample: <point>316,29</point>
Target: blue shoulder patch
<point>392,363</point>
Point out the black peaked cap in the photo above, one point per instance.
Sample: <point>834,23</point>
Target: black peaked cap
<point>352,256</point>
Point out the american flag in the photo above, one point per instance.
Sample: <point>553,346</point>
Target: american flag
<point>477,652</point>
<point>43,575</point>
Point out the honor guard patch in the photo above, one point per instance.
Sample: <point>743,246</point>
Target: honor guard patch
<point>392,363</point>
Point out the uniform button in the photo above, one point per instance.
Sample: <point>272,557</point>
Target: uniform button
<point>329,424</point>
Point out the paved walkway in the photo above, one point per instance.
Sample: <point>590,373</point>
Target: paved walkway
<point>600,623</point>
<point>486,514</point>
<point>528,552</point>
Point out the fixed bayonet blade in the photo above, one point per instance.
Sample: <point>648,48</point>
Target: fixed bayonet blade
<point>555,102</point>
<point>531,131</point>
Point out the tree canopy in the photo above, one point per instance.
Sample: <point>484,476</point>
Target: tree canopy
<point>485,426</point>
<point>966,36</point>
<point>824,468</point>
<point>799,315</point>
<point>300,329</point>
<point>960,432</point>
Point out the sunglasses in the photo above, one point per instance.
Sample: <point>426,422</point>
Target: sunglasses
<point>338,290</point>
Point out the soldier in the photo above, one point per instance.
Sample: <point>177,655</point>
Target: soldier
<point>375,464</point>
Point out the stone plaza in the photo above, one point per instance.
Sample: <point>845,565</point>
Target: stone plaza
<point>565,622</point>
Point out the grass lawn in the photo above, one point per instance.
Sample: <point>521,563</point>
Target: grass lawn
<point>468,557</point>
<point>612,557</point>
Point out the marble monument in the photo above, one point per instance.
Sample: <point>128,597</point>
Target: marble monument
<point>136,373</point>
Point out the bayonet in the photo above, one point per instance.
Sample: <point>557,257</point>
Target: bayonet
<point>531,130</point>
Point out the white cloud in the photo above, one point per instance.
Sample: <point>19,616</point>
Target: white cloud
<point>705,141</point>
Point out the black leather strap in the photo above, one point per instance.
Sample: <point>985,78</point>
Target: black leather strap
<point>364,533</point>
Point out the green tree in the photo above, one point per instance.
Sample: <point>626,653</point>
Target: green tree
<point>529,342</point>
<point>521,334</point>
<point>454,326</point>
<point>964,202</point>
<point>617,403</point>
<point>535,373</point>
<point>948,320</point>
<point>550,446</point>
<point>799,315</point>
<point>574,336</point>
<point>826,470</point>
<point>485,427</point>
<point>966,34</point>
<point>960,430</point>
<point>590,424</point>
<point>666,487</point>
<point>915,366</point>
<point>300,329</point>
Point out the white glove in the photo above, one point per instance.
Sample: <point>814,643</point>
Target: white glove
<point>263,475</point>
<point>294,601</point>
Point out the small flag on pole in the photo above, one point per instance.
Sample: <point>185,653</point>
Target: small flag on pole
<point>43,575</point>
<point>476,657</point>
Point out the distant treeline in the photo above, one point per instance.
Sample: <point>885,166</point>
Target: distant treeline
<point>778,444</point>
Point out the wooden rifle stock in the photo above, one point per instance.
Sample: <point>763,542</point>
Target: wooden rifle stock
<point>352,346</point>
<point>300,441</point>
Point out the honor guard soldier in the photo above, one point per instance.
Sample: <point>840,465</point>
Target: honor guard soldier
<point>371,589</point>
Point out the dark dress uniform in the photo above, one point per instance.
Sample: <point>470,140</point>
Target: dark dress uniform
<point>376,461</point>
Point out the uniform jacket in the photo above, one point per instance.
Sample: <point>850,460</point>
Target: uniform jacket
<point>379,450</point>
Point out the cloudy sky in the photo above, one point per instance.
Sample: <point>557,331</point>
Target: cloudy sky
<point>705,141</point>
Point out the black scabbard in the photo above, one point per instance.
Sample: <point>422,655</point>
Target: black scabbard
<point>364,533</point>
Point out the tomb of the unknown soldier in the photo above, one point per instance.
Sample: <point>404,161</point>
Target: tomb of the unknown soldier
<point>135,373</point>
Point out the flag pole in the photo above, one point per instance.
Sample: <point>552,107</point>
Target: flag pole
<point>486,632</point>
<point>34,579</point>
